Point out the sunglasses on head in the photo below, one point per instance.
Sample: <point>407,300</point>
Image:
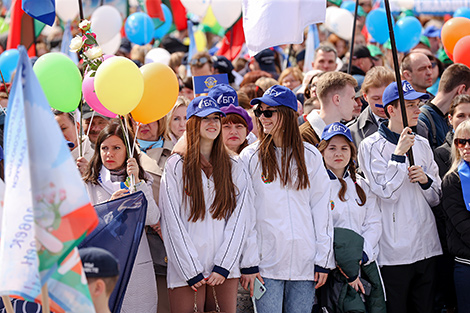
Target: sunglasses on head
<point>200,61</point>
<point>267,113</point>
<point>460,142</point>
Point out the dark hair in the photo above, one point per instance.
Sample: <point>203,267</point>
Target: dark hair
<point>309,85</point>
<point>94,167</point>
<point>237,119</point>
<point>69,115</point>
<point>453,76</point>
<point>463,98</point>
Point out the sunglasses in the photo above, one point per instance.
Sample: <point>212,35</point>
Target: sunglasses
<point>460,142</point>
<point>200,61</point>
<point>266,113</point>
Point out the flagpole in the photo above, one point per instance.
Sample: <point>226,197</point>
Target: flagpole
<point>7,304</point>
<point>351,48</point>
<point>397,75</point>
<point>80,8</point>
<point>45,299</point>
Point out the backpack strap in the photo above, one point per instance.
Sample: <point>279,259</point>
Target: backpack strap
<point>428,115</point>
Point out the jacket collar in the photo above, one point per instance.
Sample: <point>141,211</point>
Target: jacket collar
<point>333,176</point>
<point>388,134</point>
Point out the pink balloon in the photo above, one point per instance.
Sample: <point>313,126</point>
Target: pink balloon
<point>107,56</point>
<point>88,89</point>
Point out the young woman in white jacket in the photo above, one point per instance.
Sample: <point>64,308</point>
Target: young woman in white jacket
<point>202,196</point>
<point>291,193</point>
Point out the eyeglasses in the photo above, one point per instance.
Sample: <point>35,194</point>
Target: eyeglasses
<point>266,113</point>
<point>461,143</point>
<point>433,64</point>
<point>200,61</point>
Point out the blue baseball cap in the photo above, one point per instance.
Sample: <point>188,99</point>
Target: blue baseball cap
<point>391,93</point>
<point>224,95</point>
<point>336,129</point>
<point>98,262</point>
<point>277,95</point>
<point>432,31</point>
<point>203,106</point>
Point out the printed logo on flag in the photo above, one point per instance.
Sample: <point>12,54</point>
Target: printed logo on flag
<point>202,84</point>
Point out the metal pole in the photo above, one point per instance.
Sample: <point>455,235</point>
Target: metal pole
<point>351,48</point>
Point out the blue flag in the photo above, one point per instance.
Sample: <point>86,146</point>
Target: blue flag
<point>41,10</point>
<point>312,43</point>
<point>64,46</point>
<point>202,84</point>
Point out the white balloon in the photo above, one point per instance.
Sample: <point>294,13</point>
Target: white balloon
<point>197,7</point>
<point>339,21</point>
<point>406,4</point>
<point>157,55</point>
<point>67,10</point>
<point>112,46</point>
<point>227,12</point>
<point>106,22</point>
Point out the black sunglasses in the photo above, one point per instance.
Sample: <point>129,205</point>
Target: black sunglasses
<point>460,142</point>
<point>267,113</point>
<point>200,61</point>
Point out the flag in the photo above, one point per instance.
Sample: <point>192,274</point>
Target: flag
<point>42,10</point>
<point>65,45</point>
<point>21,29</point>
<point>121,224</point>
<point>233,41</point>
<point>269,23</point>
<point>154,9</point>
<point>311,44</point>
<point>46,210</point>
<point>179,14</point>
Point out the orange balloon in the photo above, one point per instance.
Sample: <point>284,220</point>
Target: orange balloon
<point>161,90</point>
<point>453,30</point>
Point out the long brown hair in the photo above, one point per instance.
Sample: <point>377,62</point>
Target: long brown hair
<point>224,200</point>
<point>94,167</point>
<point>352,171</point>
<point>292,150</point>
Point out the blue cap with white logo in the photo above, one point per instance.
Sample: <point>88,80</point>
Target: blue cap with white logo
<point>203,106</point>
<point>336,129</point>
<point>391,93</point>
<point>277,95</point>
<point>224,95</point>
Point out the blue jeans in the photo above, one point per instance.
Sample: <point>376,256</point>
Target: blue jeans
<point>462,286</point>
<point>293,296</point>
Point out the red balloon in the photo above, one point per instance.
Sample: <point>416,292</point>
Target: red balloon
<point>449,54</point>
<point>461,51</point>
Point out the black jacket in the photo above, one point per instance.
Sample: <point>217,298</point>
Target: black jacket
<point>442,155</point>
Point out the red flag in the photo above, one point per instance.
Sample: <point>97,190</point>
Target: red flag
<point>21,29</point>
<point>179,14</point>
<point>154,9</point>
<point>233,41</point>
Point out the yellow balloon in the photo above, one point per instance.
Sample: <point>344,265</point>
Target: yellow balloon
<point>161,90</point>
<point>201,40</point>
<point>209,19</point>
<point>119,85</point>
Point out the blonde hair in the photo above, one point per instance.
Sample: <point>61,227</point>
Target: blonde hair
<point>181,101</point>
<point>463,128</point>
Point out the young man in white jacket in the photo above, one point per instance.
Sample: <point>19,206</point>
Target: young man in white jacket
<point>405,194</point>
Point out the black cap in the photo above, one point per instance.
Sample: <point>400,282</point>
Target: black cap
<point>222,64</point>
<point>361,51</point>
<point>265,60</point>
<point>300,56</point>
<point>88,112</point>
<point>98,262</point>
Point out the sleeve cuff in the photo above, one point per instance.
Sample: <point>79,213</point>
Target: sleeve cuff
<point>351,279</point>
<point>427,185</point>
<point>398,158</point>
<point>320,269</point>
<point>195,279</point>
<point>365,258</point>
<point>220,270</point>
<point>250,270</point>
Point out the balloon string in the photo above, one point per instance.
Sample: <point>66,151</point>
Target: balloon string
<point>91,123</point>
<point>135,137</point>
<point>128,148</point>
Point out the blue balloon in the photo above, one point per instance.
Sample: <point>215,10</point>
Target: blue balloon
<point>407,33</point>
<point>377,26</point>
<point>349,5</point>
<point>165,27</point>
<point>139,28</point>
<point>8,62</point>
<point>462,12</point>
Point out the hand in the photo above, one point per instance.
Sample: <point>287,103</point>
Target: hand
<point>215,279</point>
<point>118,194</point>
<point>157,227</point>
<point>416,174</point>
<point>82,165</point>
<point>198,284</point>
<point>133,169</point>
<point>406,141</point>
<point>249,280</point>
<point>320,279</point>
<point>357,285</point>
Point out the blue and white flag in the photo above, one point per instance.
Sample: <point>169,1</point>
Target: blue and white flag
<point>65,45</point>
<point>312,43</point>
<point>42,10</point>
<point>202,84</point>
<point>192,46</point>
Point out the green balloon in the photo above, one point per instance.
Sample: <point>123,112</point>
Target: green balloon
<point>60,80</point>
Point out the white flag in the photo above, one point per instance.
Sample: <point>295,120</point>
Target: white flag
<point>269,23</point>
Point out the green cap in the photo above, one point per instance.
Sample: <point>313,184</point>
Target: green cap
<point>388,45</point>
<point>360,11</point>
<point>425,40</point>
<point>374,50</point>
<point>336,2</point>
<point>443,57</point>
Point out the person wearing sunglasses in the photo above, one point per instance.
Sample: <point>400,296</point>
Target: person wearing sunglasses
<point>291,194</point>
<point>405,194</point>
<point>455,201</point>
<point>201,64</point>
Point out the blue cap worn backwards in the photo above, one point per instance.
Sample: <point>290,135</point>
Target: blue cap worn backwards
<point>203,106</point>
<point>224,95</point>
<point>277,95</point>
<point>391,93</point>
<point>336,129</point>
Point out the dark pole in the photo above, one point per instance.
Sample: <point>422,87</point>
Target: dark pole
<point>80,139</point>
<point>80,8</point>
<point>351,48</point>
<point>397,75</point>
<point>289,52</point>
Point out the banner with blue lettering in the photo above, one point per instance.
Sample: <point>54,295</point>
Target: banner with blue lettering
<point>202,84</point>
<point>434,7</point>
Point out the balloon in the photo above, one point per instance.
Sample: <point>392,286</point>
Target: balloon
<point>407,33</point>
<point>157,55</point>
<point>139,28</point>
<point>119,85</point>
<point>88,89</point>
<point>160,93</point>
<point>60,80</point>
<point>197,7</point>
<point>406,4</point>
<point>339,21</point>
<point>8,63</point>
<point>453,30</point>
<point>226,12</point>
<point>461,49</point>
<point>201,40</point>
<point>377,26</point>
<point>165,27</point>
<point>106,22</point>
<point>462,12</point>
<point>349,5</point>
<point>112,46</point>
<point>67,10</point>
